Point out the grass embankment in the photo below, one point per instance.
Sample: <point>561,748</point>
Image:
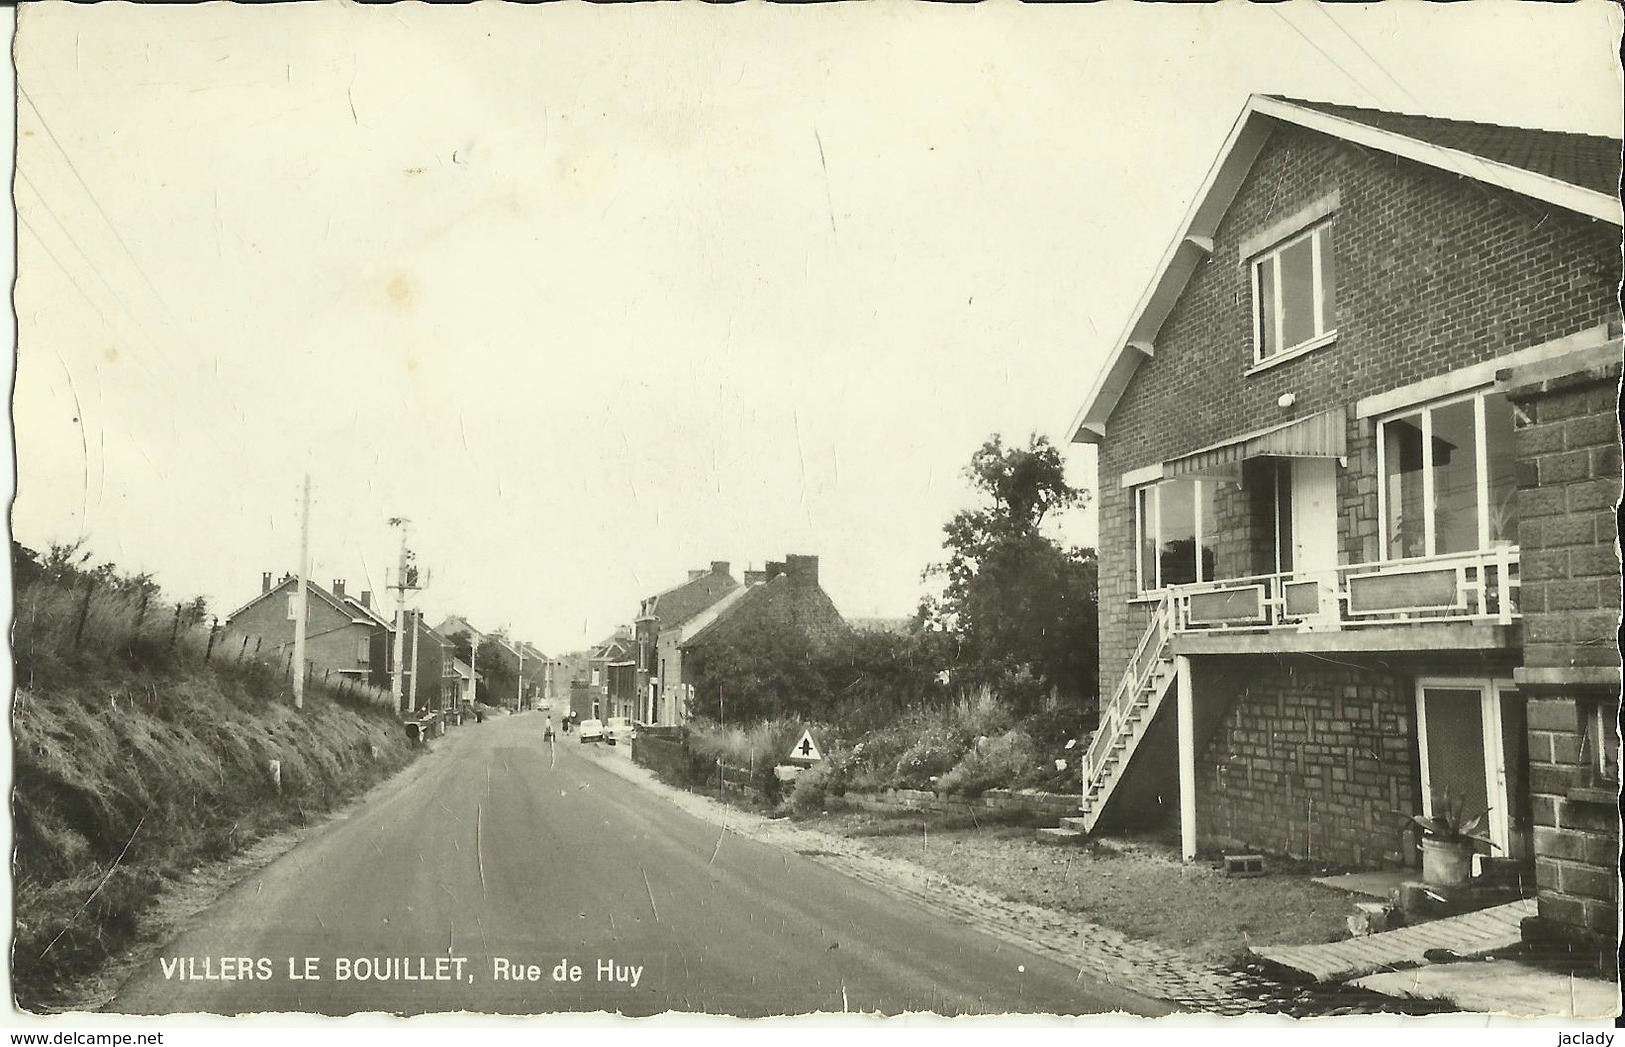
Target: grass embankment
<point>137,758</point>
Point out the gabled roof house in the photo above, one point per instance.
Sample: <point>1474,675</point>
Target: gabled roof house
<point>1358,459</point>
<point>338,628</point>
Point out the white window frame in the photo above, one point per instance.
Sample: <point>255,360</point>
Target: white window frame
<point>1481,464</point>
<point>293,607</point>
<point>363,651</point>
<point>1140,533</point>
<point>1325,326</point>
<point>1491,695</point>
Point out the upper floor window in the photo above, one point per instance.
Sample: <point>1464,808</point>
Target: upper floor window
<point>1176,531</point>
<point>1294,295</point>
<point>363,651</point>
<point>1448,480</point>
<point>293,607</point>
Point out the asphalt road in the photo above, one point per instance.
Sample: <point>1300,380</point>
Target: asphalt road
<point>499,859</point>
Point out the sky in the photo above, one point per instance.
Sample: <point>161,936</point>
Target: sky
<point>597,295</point>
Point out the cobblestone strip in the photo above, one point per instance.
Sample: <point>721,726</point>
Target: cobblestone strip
<point>1099,952</point>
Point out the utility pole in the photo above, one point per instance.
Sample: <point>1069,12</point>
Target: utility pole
<point>299,625</point>
<point>474,666</point>
<point>400,588</point>
<point>519,698</point>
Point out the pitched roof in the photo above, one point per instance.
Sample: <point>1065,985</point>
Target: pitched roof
<point>1587,161</point>
<point>804,606</point>
<point>687,599</point>
<point>343,606</point>
<point>703,621</point>
<point>364,611</point>
<point>1558,168</point>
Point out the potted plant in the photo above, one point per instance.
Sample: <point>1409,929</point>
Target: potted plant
<point>1448,838</point>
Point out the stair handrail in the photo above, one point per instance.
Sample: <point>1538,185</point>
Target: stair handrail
<point>1135,674</point>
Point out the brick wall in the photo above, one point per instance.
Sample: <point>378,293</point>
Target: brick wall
<point>1310,761</point>
<point>331,638</point>
<point>1436,272</point>
<point>1567,434</point>
<point>1567,437</point>
<point>1576,827</point>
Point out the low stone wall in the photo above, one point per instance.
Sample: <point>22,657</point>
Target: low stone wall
<point>1047,805</point>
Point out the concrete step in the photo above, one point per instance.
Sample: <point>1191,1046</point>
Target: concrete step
<point>1060,836</point>
<point>1075,824</point>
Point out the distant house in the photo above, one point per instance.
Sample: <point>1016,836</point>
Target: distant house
<point>786,594</point>
<point>340,630</point>
<point>659,618</point>
<point>463,678</point>
<point>1358,457</point>
<point>612,674</point>
<point>524,660</point>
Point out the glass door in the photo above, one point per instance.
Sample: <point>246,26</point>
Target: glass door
<point>1463,743</point>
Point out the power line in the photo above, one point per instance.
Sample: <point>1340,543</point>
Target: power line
<point>23,91</point>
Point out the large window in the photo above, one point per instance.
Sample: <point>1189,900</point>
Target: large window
<point>1175,533</point>
<point>1448,484</point>
<point>1295,294</point>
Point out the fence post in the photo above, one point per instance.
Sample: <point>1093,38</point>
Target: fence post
<point>84,610</point>
<point>287,668</point>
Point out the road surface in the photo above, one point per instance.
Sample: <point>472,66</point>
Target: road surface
<point>503,874</point>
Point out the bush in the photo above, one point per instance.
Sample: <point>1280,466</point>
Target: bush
<point>1007,761</point>
<point>815,788</point>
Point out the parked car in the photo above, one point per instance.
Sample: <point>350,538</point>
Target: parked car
<point>590,730</point>
<point>619,728</point>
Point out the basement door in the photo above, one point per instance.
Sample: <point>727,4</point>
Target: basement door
<point>1463,743</point>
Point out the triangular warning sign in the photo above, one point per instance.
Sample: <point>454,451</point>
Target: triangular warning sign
<point>806,750</point>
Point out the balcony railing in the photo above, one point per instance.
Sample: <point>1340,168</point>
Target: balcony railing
<point>1477,586</point>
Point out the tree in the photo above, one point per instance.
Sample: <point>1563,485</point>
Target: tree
<point>1021,609</point>
<point>762,669</point>
<point>498,680</point>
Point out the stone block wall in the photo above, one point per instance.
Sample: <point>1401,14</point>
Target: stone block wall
<point>1310,760</point>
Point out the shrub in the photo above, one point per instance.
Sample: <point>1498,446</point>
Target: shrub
<point>815,788</point>
<point>998,763</point>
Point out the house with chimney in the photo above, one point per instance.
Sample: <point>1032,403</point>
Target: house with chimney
<point>660,617</point>
<point>340,629</point>
<point>1358,462</point>
<point>612,675</point>
<point>786,596</point>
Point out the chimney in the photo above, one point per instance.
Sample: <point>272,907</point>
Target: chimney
<point>774,569</point>
<point>755,577</point>
<point>719,566</point>
<point>802,569</point>
<point>366,597</point>
<point>695,575</point>
<point>338,588</point>
<point>265,582</point>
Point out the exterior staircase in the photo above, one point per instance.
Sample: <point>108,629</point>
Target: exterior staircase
<point>1125,719</point>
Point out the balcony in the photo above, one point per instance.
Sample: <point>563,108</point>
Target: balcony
<point>1470,596</point>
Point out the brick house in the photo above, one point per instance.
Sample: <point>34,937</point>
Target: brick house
<point>339,628</point>
<point>428,658</point>
<point>1358,458</point>
<point>612,674</point>
<point>786,594</point>
<point>660,618</point>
